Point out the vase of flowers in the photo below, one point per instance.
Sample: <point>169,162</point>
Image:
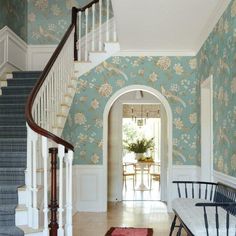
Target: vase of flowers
<point>139,147</point>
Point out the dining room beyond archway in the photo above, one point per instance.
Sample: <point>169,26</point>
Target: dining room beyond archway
<point>148,120</point>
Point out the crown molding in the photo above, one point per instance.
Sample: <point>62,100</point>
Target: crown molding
<point>211,23</point>
<point>187,53</point>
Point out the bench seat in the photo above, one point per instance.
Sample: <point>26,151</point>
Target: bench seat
<point>192,217</point>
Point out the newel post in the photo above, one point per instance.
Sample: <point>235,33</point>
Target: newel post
<point>74,22</point>
<point>53,206</point>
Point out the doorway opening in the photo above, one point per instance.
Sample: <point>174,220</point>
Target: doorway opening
<point>141,155</point>
<point>112,146</point>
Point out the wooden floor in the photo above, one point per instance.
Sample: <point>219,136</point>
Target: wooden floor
<point>139,209</point>
<point>131,193</point>
<point>152,214</point>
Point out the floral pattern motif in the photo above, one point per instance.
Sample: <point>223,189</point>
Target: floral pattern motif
<point>218,57</point>
<point>14,15</point>
<point>49,19</point>
<point>178,79</point>
<point>178,83</point>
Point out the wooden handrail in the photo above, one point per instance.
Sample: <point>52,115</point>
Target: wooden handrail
<point>86,6</point>
<point>30,101</point>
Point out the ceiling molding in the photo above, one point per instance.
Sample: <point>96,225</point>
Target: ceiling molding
<point>124,53</point>
<point>211,23</point>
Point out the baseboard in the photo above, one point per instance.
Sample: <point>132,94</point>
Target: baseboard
<point>223,178</point>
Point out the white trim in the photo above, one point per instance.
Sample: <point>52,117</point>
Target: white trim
<point>213,19</point>
<point>124,53</point>
<point>223,178</point>
<point>14,55</point>
<point>207,129</point>
<point>39,55</point>
<point>167,107</point>
<point>88,188</point>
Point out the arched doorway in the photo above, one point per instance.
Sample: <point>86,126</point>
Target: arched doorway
<point>168,111</point>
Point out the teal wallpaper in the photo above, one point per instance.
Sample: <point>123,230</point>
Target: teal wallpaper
<point>175,77</point>
<point>48,20</point>
<point>14,14</point>
<point>218,57</point>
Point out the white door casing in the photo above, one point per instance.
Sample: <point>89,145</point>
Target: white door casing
<point>207,129</point>
<point>167,108</point>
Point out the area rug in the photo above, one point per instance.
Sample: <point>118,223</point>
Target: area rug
<point>123,231</point>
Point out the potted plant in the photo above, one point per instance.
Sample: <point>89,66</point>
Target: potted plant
<point>139,147</point>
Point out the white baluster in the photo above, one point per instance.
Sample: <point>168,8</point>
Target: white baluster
<point>107,23</point>
<point>86,36</point>
<point>45,183</point>
<point>114,31</point>
<point>93,27</point>
<point>61,154</point>
<point>29,176</point>
<point>100,27</point>
<point>35,210</point>
<point>80,29</point>
<point>69,193</point>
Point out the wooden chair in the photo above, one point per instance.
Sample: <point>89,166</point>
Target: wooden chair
<point>155,173</point>
<point>129,171</point>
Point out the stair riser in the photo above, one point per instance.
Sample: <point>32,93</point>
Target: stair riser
<point>9,120</point>
<point>16,182</point>
<point>33,74</point>
<point>21,82</point>
<point>13,99</point>
<point>22,197</point>
<point>13,132</point>
<point>12,145</point>
<point>13,91</point>
<point>12,109</point>
<point>13,163</point>
<point>21,217</point>
<point>7,220</point>
<point>4,201</point>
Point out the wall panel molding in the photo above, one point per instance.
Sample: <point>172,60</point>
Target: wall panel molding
<point>13,50</point>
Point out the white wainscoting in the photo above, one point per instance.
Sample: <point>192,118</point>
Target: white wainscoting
<point>39,55</point>
<point>185,173</point>
<point>225,179</point>
<point>89,189</point>
<point>13,51</point>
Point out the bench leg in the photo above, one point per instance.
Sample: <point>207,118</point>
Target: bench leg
<point>179,231</point>
<point>172,225</point>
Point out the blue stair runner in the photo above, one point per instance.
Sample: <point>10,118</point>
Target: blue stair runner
<point>13,146</point>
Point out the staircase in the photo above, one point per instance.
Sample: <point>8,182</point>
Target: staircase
<point>13,145</point>
<point>27,151</point>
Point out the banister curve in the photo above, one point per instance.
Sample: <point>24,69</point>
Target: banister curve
<point>86,6</point>
<point>29,104</point>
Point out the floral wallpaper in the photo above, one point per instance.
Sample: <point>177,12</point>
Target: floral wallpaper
<point>175,77</point>
<point>218,57</point>
<point>14,14</point>
<point>48,20</point>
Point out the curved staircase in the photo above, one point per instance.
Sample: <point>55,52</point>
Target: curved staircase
<point>13,145</point>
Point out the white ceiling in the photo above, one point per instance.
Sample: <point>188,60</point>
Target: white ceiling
<point>175,27</point>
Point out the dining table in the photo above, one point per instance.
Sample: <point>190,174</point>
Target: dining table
<point>142,165</point>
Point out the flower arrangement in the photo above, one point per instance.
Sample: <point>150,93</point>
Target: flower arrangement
<point>140,146</point>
